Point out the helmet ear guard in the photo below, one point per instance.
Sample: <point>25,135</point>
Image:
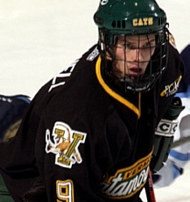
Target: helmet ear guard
<point>133,18</point>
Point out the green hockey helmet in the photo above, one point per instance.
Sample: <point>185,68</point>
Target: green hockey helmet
<point>133,18</point>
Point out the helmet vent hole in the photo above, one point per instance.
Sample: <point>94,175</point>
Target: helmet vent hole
<point>119,24</point>
<point>123,24</point>
<point>161,21</point>
<point>113,24</point>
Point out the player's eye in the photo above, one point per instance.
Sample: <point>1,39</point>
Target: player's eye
<point>125,45</point>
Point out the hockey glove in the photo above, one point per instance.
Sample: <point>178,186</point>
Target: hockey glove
<point>164,135</point>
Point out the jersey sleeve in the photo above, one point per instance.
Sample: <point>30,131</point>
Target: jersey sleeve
<point>170,81</point>
<point>17,158</point>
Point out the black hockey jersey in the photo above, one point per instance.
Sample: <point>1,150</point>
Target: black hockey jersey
<point>84,138</point>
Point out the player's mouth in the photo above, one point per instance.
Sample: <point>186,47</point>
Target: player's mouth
<point>135,71</point>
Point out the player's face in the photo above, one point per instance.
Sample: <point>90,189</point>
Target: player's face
<point>132,55</point>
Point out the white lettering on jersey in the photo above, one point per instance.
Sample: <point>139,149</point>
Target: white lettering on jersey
<point>93,54</point>
<point>67,73</point>
<point>65,144</point>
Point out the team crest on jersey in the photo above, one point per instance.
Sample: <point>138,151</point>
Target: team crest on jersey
<point>64,144</point>
<point>172,88</point>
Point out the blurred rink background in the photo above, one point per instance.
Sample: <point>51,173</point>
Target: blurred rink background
<point>39,38</point>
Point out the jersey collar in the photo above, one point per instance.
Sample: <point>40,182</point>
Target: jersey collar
<point>114,94</point>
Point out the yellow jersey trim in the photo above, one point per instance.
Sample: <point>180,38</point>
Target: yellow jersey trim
<point>115,95</point>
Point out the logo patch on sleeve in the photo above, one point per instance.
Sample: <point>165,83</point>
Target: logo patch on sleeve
<point>171,88</point>
<point>64,144</point>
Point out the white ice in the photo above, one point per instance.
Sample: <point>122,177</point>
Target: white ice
<point>39,38</point>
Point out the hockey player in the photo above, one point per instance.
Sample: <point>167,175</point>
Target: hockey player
<point>89,132</point>
<point>12,109</point>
